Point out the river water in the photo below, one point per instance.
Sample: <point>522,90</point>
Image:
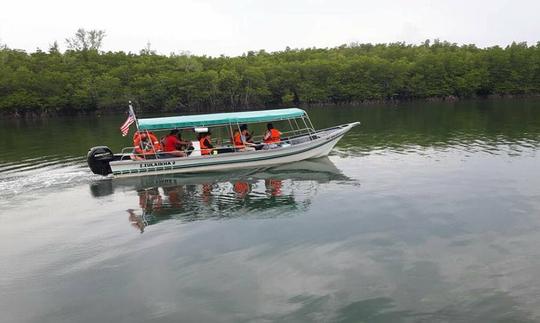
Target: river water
<point>426,212</point>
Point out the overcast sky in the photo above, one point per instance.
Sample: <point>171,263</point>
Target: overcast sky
<point>214,27</point>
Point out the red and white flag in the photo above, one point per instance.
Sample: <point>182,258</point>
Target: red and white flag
<point>131,118</point>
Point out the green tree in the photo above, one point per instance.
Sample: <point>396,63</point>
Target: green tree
<point>86,40</point>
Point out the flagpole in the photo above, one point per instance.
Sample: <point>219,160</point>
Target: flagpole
<point>132,111</point>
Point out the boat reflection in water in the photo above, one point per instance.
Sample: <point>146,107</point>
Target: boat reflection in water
<point>281,190</point>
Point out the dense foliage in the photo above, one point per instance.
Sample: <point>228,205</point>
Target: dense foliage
<point>89,80</point>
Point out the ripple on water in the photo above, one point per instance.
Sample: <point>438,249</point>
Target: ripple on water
<point>40,174</point>
<point>357,144</point>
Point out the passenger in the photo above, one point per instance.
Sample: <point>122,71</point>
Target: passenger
<point>272,136</point>
<point>239,141</point>
<point>184,144</point>
<point>246,138</point>
<point>145,144</point>
<point>174,145</point>
<point>245,132</point>
<point>205,143</point>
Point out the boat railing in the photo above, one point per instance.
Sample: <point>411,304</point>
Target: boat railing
<point>128,153</point>
<point>292,137</point>
<point>288,134</point>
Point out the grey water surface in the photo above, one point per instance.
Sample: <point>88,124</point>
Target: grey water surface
<point>427,212</point>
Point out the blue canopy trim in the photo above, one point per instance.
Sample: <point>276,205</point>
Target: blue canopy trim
<point>217,119</point>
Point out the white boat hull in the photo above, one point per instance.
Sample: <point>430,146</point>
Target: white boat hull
<point>316,148</point>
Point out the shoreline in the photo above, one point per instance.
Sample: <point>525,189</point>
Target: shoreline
<point>33,115</point>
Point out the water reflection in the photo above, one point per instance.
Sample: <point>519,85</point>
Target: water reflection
<point>261,193</point>
<point>492,127</point>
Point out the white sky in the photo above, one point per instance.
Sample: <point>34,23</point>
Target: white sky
<point>233,27</point>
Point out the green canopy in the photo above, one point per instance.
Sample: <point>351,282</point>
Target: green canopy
<point>216,119</point>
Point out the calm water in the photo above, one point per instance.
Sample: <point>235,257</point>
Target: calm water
<point>426,212</point>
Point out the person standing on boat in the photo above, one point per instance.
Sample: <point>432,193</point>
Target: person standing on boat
<point>174,145</point>
<point>272,135</point>
<point>205,143</point>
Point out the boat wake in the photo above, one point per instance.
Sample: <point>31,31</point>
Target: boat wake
<point>29,176</point>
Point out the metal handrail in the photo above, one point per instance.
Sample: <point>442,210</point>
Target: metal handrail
<point>129,151</point>
<point>296,133</point>
<point>302,132</point>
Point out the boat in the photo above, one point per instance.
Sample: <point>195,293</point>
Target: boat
<point>299,141</point>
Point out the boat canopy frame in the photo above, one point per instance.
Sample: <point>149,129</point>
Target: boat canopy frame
<point>227,120</point>
<point>220,119</point>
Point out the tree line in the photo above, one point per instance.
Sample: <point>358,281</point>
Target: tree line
<point>85,79</point>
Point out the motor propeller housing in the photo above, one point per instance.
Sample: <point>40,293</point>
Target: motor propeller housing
<point>98,159</point>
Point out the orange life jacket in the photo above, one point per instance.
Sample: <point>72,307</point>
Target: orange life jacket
<point>238,143</point>
<point>139,146</point>
<point>275,136</point>
<point>204,149</point>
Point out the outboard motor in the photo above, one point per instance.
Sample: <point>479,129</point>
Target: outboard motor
<point>98,160</point>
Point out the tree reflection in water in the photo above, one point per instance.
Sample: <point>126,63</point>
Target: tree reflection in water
<point>279,191</point>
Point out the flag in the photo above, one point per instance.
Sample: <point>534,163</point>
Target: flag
<point>131,118</point>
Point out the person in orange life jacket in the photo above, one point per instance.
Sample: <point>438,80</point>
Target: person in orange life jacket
<point>240,142</point>
<point>272,135</point>
<point>145,143</point>
<point>205,143</point>
<point>237,140</point>
<point>174,145</point>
